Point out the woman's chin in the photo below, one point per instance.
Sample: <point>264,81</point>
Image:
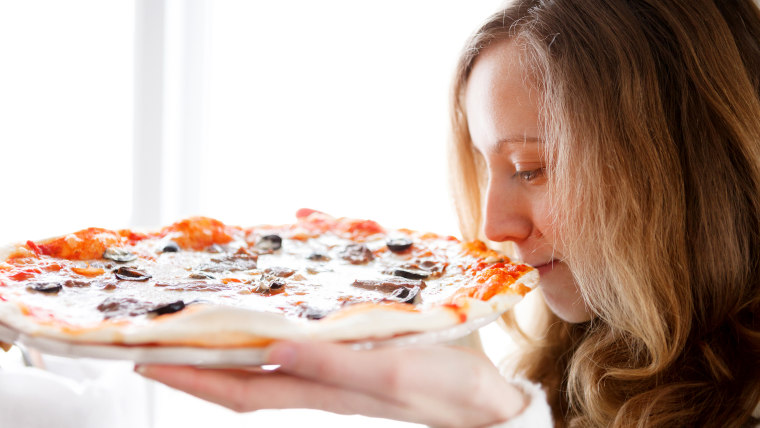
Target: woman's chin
<point>562,296</point>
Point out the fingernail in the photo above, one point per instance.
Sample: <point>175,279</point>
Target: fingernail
<point>140,369</point>
<point>282,354</point>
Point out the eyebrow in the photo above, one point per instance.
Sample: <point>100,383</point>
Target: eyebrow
<point>513,140</point>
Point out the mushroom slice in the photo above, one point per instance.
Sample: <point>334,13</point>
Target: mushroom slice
<point>281,272</point>
<point>357,254</point>
<point>119,255</point>
<point>113,307</point>
<point>388,285</point>
<point>312,313</point>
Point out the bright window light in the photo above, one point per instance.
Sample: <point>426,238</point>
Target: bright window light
<point>66,113</point>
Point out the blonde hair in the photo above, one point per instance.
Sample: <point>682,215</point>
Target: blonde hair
<point>651,115</point>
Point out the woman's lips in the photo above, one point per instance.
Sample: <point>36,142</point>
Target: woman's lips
<point>546,267</point>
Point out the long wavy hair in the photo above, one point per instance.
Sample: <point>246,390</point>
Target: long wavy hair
<point>650,111</point>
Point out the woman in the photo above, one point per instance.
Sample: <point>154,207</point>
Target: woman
<point>616,144</point>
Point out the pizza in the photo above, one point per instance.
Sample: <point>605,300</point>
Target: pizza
<point>202,283</point>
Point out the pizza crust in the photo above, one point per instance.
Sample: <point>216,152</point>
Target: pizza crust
<point>6,251</point>
<point>226,326</point>
<point>220,326</point>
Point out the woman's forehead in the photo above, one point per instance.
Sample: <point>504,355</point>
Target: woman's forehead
<point>501,106</point>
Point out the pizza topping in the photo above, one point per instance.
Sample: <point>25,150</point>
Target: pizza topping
<point>119,255</point>
<point>215,249</point>
<point>432,266</point>
<point>72,283</point>
<point>269,243</point>
<point>106,285</point>
<point>170,247</point>
<point>25,274</point>
<point>312,313</point>
<point>168,308</point>
<point>231,263</point>
<point>198,233</point>
<point>318,257</point>
<point>426,269</point>
<point>88,271</point>
<point>86,244</point>
<point>409,273</point>
<point>269,285</point>
<point>320,267</point>
<point>113,307</point>
<point>357,254</point>
<point>281,272</point>
<point>46,287</point>
<point>126,273</point>
<point>406,295</point>
<point>387,285</point>
<point>192,286</point>
<point>200,275</point>
<point>358,229</point>
<point>398,245</point>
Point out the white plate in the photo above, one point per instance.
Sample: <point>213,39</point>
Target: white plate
<point>211,357</point>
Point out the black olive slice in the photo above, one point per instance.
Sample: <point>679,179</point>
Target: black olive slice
<point>131,274</point>
<point>46,287</point>
<point>269,242</point>
<point>406,295</point>
<point>168,308</point>
<point>170,247</point>
<point>398,245</point>
<point>119,255</point>
<point>410,273</point>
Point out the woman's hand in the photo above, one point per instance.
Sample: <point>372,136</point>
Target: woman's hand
<point>438,386</point>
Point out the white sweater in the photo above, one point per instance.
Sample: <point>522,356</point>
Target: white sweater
<point>536,414</point>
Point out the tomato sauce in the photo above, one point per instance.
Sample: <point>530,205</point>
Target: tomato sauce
<point>86,244</point>
<point>198,233</point>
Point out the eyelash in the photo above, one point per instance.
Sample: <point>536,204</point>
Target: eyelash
<point>530,175</point>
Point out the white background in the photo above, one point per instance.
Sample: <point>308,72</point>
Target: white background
<point>138,113</point>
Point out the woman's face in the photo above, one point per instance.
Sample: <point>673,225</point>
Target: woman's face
<point>502,113</point>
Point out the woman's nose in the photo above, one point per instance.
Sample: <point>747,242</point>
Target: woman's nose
<point>507,213</point>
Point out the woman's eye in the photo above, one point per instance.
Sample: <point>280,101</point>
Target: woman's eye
<point>530,175</point>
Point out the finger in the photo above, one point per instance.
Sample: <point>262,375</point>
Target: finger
<point>243,391</point>
<point>215,386</point>
<point>406,376</point>
<point>390,373</point>
<point>338,365</point>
